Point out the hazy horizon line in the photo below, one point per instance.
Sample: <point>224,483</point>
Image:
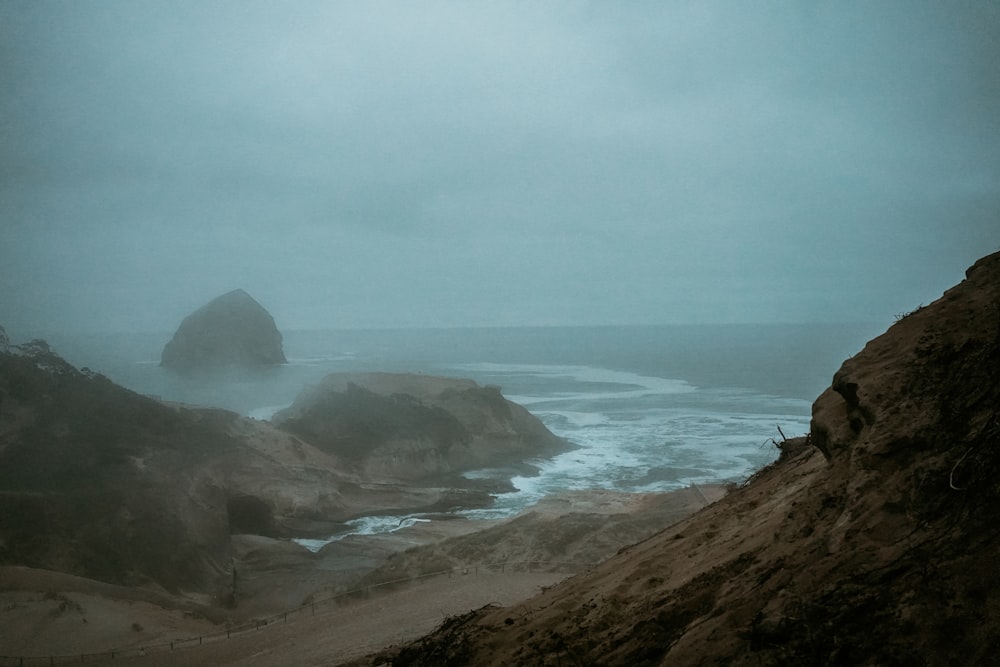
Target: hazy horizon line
<point>34,334</point>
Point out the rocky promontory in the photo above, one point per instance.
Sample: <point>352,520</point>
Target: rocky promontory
<point>232,330</point>
<point>101,482</point>
<point>413,427</point>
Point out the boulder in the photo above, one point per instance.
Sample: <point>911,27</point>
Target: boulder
<point>232,330</point>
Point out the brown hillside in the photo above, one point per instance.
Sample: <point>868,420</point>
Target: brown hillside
<point>873,544</point>
<point>100,482</point>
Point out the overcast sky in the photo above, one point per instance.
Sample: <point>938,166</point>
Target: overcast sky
<point>396,164</point>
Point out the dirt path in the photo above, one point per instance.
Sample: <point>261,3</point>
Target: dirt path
<point>341,632</point>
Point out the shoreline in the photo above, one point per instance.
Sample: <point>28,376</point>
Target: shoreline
<point>429,526</point>
<point>43,610</point>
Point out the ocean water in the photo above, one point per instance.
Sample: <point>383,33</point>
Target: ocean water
<point>650,408</point>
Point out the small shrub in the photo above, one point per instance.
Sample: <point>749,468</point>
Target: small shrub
<point>903,316</point>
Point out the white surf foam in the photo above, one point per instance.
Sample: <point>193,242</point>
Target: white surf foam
<point>320,360</point>
<point>366,525</point>
<point>632,383</point>
<point>267,412</point>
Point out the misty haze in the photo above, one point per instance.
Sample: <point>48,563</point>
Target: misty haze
<point>302,298</point>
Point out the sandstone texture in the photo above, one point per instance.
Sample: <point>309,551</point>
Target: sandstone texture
<point>872,542</point>
<point>232,330</point>
<point>413,427</point>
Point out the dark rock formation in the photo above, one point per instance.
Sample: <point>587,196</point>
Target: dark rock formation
<point>878,546</point>
<point>416,426</point>
<point>101,482</point>
<point>77,492</point>
<point>104,483</point>
<point>232,330</point>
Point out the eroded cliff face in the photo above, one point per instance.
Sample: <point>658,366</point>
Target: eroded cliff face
<point>911,424</point>
<point>231,331</point>
<point>927,383</point>
<point>872,542</point>
<point>414,427</point>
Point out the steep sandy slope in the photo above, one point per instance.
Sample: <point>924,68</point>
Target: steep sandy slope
<point>561,533</point>
<point>874,543</point>
<point>43,613</point>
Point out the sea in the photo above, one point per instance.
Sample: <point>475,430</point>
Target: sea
<point>649,408</point>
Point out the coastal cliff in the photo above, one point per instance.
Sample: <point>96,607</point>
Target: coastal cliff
<point>872,541</point>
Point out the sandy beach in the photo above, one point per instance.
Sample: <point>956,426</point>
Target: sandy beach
<point>478,563</point>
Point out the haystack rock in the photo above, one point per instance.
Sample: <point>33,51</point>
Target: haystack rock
<point>232,330</point>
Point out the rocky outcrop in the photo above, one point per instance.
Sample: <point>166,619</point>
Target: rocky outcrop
<point>101,482</point>
<point>92,479</point>
<point>875,546</point>
<point>413,427</point>
<point>232,330</point>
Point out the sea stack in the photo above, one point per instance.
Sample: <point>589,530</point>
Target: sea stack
<point>232,330</point>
